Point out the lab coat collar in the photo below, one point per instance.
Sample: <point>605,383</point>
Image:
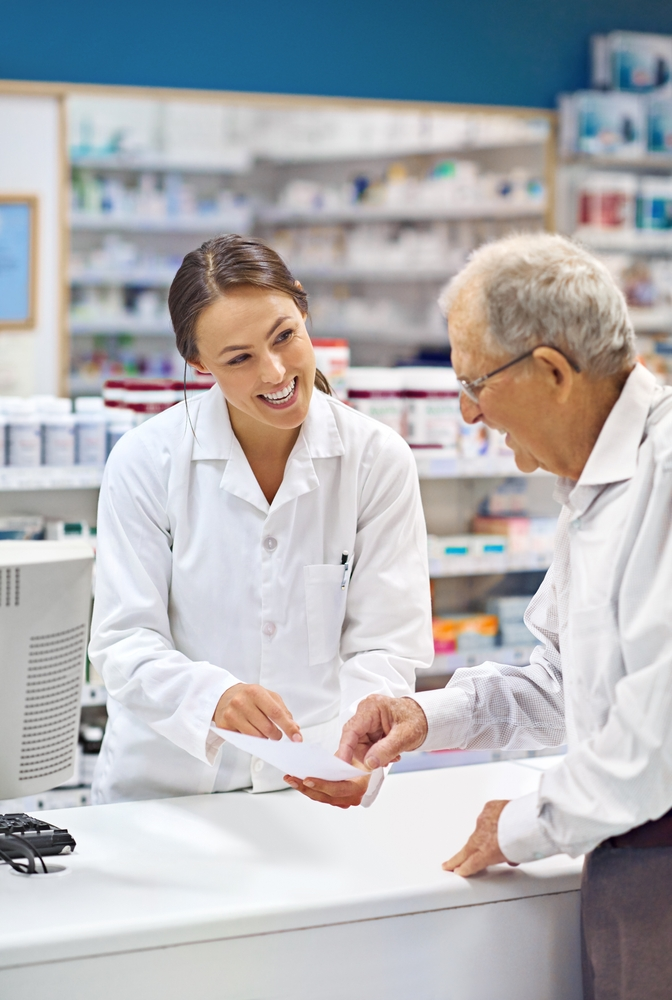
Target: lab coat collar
<point>214,439</point>
<point>319,438</point>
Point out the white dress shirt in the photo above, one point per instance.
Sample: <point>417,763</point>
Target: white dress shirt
<point>202,584</point>
<point>602,676</point>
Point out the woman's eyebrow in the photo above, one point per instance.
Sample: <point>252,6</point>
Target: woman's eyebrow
<point>247,347</point>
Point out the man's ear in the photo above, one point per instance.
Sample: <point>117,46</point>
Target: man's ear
<point>555,366</point>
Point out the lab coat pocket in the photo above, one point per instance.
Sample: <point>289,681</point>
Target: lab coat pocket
<point>325,610</point>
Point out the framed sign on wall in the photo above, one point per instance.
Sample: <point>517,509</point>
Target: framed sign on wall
<point>18,261</point>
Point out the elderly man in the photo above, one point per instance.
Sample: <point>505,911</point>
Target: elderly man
<point>544,350</point>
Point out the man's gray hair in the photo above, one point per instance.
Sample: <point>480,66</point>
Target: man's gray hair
<point>539,288</point>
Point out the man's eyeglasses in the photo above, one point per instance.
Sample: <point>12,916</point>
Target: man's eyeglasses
<point>472,389</point>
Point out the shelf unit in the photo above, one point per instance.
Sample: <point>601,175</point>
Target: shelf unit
<point>445,664</point>
<point>453,213</point>
<point>259,172</point>
<point>198,224</point>
<point>641,245</point>
<point>495,564</point>
<point>78,477</point>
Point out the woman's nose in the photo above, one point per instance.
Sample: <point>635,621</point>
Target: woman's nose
<point>272,369</point>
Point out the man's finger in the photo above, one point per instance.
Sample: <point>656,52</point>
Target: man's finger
<point>457,859</point>
<point>475,863</point>
<point>387,749</point>
<point>364,722</point>
<point>348,745</point>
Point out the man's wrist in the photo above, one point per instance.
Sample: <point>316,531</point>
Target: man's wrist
<point>520,833</point>
<point>421,717</point>
<point>447,712</point>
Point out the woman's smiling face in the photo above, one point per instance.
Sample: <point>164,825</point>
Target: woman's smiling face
<point>254,342</point>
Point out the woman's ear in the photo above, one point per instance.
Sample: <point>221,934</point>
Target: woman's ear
<point>198,367</point>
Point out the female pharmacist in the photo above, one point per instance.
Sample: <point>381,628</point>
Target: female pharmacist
<point>261,552</point>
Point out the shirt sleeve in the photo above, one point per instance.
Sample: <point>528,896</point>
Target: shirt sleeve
<point>496,706</point>
<point>131,643</point>
<point>387,631</point>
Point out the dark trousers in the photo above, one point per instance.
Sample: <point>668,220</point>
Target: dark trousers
<point>626,917</point>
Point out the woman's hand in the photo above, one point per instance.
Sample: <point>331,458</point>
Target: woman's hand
<point>255,711</point>
<point>335,793</point>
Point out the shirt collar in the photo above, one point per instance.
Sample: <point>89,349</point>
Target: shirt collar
<point>614,455</point>
<point>214,437</point>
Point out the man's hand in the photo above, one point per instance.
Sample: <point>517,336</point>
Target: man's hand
<point>482,848</point>
<point>335,793</point>
<point>255,711</point>
<point>380,730</point>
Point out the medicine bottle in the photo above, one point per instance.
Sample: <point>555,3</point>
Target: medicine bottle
<point>119,422</point>
<point>24,433</point>
<point>432,402</point>
<point>58,432</point>
<point>91,431</point>
<point>378,393</point>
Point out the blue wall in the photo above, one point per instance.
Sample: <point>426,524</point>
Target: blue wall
<point>483,51</point>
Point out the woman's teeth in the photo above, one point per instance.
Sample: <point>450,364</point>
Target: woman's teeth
<point>283,395</point>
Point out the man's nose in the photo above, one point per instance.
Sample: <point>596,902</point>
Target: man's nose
<point>471,411</point>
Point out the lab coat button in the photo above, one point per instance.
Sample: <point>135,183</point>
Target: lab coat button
<point>270,543</point>
<point>258,766</point>
<point>268,629</point>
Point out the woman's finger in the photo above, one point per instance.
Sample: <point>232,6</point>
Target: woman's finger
<point>274,707</point>
<point>252,721</point>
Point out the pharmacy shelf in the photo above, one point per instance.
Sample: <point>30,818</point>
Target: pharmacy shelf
<point>654,320</point>
<point>375,274</point>
<point>137,276</point>
<point>120,324</point>
<point>240,223</point>
<point>446,664</point>
<point>238,161</point>
<point>537,136</point>
<point>382,334</point>
<point>494,563</point>
<point>652,242</point>
<point>77,477</point>
<point>94,695</point>
<point>435,463</point>
<point>162,277</point>
<point>655,163</point>
<point>274,215</point>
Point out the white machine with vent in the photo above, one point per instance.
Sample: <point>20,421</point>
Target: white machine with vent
<point>45,606</point>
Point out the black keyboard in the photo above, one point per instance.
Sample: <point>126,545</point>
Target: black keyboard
<point>44,837</point>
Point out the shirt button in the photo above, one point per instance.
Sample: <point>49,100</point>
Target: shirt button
<point>258,766</point>
<point>270,543</point>
<point>269,628</point>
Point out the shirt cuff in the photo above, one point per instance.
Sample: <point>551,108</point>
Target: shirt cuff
<point>448,715</point>
<point>520,833</point>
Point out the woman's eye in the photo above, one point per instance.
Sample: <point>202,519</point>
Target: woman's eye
<point>284,336</point>
<point>238,360</point>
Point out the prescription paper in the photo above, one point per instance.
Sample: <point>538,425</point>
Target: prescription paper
<point>301,760</point>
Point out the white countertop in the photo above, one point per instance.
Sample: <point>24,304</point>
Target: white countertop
<point>209,867</point>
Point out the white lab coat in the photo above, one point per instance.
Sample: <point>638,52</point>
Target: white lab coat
<point>201,584</point>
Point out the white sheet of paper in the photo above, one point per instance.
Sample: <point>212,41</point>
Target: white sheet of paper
<point>301,760</point>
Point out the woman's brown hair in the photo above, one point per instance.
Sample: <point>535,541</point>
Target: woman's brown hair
<point>225,262</point>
